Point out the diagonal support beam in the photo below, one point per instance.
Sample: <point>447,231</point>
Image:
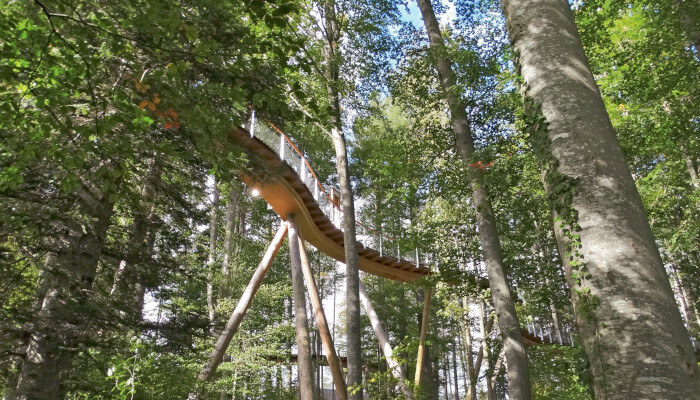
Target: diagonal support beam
<point>423,335</point>
<point>239,312</point>
<point>383,339</point>
<point>322,324</point>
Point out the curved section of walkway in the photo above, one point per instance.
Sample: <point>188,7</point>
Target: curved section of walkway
<point>287,194</point>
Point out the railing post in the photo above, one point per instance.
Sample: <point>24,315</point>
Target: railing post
<point>417,259</point>
<point>282,147</point>
<point>316,189</point>
<point>302,170</point>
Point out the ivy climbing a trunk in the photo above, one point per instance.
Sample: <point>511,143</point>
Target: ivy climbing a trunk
<point>628,320</point>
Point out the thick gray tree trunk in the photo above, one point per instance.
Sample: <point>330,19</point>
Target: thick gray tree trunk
<point>66,283</point>
<point>508,324</point>
<point>630,325</point>
<point>352,263</point>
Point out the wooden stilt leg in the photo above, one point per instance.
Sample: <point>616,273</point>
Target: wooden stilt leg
<point>232,326</point>
<point>384,342</point>
<point>423,335</point>
<point>306,377</point>
<point>322,325</point>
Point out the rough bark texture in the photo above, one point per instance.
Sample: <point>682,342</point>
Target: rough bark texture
<point>631,328</point>
<point>301,322</point>
<point>65,286</point>
<point>508,324</point>
<point>352,263</point>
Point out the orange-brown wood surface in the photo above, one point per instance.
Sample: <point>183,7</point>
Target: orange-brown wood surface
<point>287,194</point>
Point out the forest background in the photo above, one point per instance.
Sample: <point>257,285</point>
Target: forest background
<point>120,196</point>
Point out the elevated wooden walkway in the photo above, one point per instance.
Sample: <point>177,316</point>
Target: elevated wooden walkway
<point>287,193</point>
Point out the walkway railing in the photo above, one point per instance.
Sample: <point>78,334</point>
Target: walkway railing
<point>545,331</point>
<point>328,198</point>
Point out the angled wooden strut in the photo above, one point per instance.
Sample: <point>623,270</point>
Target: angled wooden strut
<point>322,324</point>
<point>423,336</point>
<point>239,312</point>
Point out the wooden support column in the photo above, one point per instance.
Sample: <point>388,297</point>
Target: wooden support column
<point>423,335</point>
<point>322,324</point>
<point>232,326</point>
<point>383,339</point>
<point>301,323</point>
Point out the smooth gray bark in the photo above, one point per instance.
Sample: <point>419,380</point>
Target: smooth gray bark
<point>485,351</point>
<point>352,263</point>
<point>508,324</point>
<point>65,285</point>
<point>628,320</point>
<point>213,234</point>
<point>301,322</point>
<point>384,343</point>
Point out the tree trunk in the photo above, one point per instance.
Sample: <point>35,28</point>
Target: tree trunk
<point>213,222</point>
<point>692,170</point>
<point>332,59</point>
<point>485,352</point>
<point>128,288</point>
<point>66,284</point>
<point>508,324</point>
<point>301,323</point>
<point>384,344</point>
<point>454,370</point>
<point>629,323</point>
<point>231,214</point>
<point>471,372</point>
<point>321,323</point>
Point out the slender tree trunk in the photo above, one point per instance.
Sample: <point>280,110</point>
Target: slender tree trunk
<point>485,352</point>
<point>301,324</point>
<point>332,60</point>
<point>628,320</point>
<point>692,170</point>
<point>509,326</point>
<point>128,288</point>
<point>231,214</point>
<point>66,284</point>
<point>384,344</point>
<point>213,222</point>
<point>688,312</point>
<point>497,370</point>
<point>454,370</point>
<point>471,372</point>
